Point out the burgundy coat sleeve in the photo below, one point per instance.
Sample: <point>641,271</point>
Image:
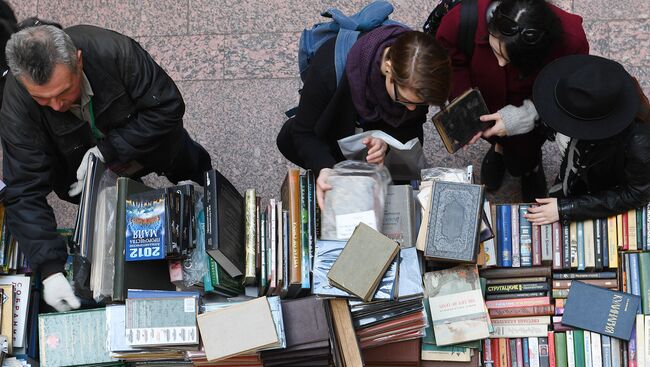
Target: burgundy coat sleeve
<point>447,36</point>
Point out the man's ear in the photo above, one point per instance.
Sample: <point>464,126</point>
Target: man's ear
<point>80,63</point>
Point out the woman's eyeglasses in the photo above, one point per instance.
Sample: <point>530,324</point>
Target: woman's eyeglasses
<point>509,27</point>
<point>403,101</point>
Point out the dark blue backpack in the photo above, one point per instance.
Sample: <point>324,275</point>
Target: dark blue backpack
<point>346,29</point>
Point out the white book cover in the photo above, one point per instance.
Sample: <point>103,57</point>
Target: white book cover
<point>590,251</point>
<point>640,341</point>
<point>570,351</point>
<point>516,249</point>
<point>646,346</point>
<point>22,290</point>
<point>616,352</point>
<point>547,242</point>
<point>525,320</point>
<point>519,331</point>
<point>489,246</point>
<point>596,351</point>
<point>587,347</point>
<point>533,352</point>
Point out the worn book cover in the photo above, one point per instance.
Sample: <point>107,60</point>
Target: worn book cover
<point>454,221</point>
<point>224,223</point>
<point>251,236</point>
<point>601,310</point>
<point>73,338</point>
<point>399,215</point>
<point>363,262</point>
<point>290,193</point>
<point>458,122</point>
<point>7,324</point>
<point>457,308</point>
<point>161,321</point>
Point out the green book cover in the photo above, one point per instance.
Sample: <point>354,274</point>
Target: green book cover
<point>73,338</point>
<point>579,346</point>
<point>561,359</point>
<point>304,231</point>
<point>639,230</point>
<point>644,274</point>
<point>161,321</point>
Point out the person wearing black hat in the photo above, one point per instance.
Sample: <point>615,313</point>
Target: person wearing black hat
<point>601,120</point>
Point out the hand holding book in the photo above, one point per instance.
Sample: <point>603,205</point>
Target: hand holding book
<point>544,213</point>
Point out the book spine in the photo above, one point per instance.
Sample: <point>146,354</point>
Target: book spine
<point>644,227</point>
<point>526,354</point>
<point>503,352</point>
<point>264,243</point>
<point>604,283</point>
<point>505,303</point>
<point>640,340</point>
<point>639,229</point>
<point>646,339</point>
<point>598,244</point>
<point>521,311</point>
<point>494,344</point>
<point>647,226</point>
<point>631,230</point>
<point>606,350</point>
<point>258,237</point>
<point>210,203</point>
<point>616,352</point>
<point>517,288</point>
<point>492,297</point>
<point>596,350</point>
<point>512,352</point>
<point>587,348</point>
<point>500,273</point>
<point>521,235</point>
<point>604,243</point>
<point>516,280</point>
<point>547,243</point>
<point>581,245</point>
<point>251,236</point>
<point>504,235</point>
<point>579,347</point>
<point>644,274</point>
<point>529,320</point>
<point>490,245</point>
<point>612,239</point>
<point>543,351</point>
<point>624,232</point>
<point>533,352</point>
<point>557,246</point>
<point>634,274</point>
<point>537,245</point>
<point>520,352</point>
<point>487,353</point>
<point>295,225</point>
<point>631,349</point>
<point>519,331</point>
<point>570,346</point>
<point>313,205</point>
<point>551,348</point>
<point>305,246</point>
<point>601,275</point>
<point>561,358</point>
<point>573,235</point>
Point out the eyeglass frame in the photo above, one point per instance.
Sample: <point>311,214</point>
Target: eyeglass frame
<point>404,102</point>
<point>519,29</point>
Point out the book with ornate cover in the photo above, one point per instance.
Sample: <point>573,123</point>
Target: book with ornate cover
<point>459,121</point>
<point>457,308</point>
<point>147,226</point>
<point>164,321</point>
<point>224,223</point>
<point>361,265</point>
<point>454,221</point>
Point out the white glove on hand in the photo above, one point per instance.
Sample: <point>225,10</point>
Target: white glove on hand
<point>75,188</point>
<point>58,293</point>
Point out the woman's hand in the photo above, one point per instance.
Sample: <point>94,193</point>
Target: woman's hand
<point>545,213</point>
<point>322,186</point>
<point>376,150</point>
<point>498,129</point>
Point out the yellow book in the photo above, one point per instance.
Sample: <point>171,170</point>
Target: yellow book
<point>573,240</point>
<point>631,230</point>
<point>611,232</point>
<point>619,230</point>
<point>6,320</point>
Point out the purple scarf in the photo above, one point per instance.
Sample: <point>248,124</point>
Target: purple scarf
<point>367,82</point>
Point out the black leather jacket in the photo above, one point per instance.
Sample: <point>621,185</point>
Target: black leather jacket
<point>615,179</point>
<point>138,108</point>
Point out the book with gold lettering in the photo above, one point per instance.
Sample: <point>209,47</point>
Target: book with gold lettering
<point>601,310</point>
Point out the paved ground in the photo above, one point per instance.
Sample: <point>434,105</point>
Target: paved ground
<point>235,62</point>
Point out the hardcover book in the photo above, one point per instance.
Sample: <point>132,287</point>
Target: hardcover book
<point>601,310</point>
<point>224,223</point>
<point>454,221</point>
<point>458,122</point>
<point>251,236</point>
<point>519,249</point>
<point>147,226</point>
<point>504,235</point>
<point>161,321</point>
<point>457,308</point>
<point>363,262</point>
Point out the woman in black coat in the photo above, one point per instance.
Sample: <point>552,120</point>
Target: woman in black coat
<point>391,77</point>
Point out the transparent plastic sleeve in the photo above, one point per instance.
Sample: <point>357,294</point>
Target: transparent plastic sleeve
<point>102,270</point>
<point>195,267</point>
<point>448,174</point>
<point>358,195</point>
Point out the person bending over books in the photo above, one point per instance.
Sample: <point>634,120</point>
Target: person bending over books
<point>601,121</point>
<point>70,93</point>
<point>514,39</point>
<point>391,76</point>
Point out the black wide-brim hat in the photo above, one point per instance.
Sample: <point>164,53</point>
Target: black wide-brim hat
<point>585,97</point>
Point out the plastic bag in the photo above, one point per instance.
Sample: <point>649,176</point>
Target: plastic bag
<point>448,174</point>
<point>358,195</point>
<point>102,271</point>
<point>195,267</point>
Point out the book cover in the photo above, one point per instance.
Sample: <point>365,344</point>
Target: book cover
<point>606,350</point>
<point>543,351</point>
<point>537,245</point>
<point>459,121</point>
<point>21,291</point>
<point>73,338</point>
<point>573,237</point>
<point>533,352</point>
<point>147,226</point>
<point>644,273</point>
<point>612,230</point>
<point>517,288</point>
<point>512,352</point>
<point>641,229</point>
<point>164,321</point>
<point>224,225</point>
<point>546,238</point>
<point>558,264</point>
<point>566,246</point>
<point>551,348</point>
<point>590,247</point>
<point>7,325</point>
<point>305,236</point>
<point>363,262</point>
<point>456,303</point>
<point>489,246</point>
<point>632,241</point>
<point>526,354</point>
<point>250,226</point>
<point>504,235</point>
<point>580,247</point>
<point>454,221</point>
<point>596,350</point>
<point>601,310</point>
<point>525,236</point>
<point>399,215</point>
<point>598,244</point>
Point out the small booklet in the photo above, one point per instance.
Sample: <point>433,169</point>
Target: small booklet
<point>459,121</point>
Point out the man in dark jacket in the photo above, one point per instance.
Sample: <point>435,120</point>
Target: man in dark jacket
<point>70,93</point>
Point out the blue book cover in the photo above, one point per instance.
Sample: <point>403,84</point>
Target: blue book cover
<point>524,348</point>
<point>635,281</point>
<point>607,351</point>
<point>581,246</point>
<point>145,226</point>
<point>601,310</point>
<point>644,228</point>
<point>504,235</point>
<point>604,242</point>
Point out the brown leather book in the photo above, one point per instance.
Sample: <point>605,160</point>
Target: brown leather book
<point>497,313</point>
<point>472,363</point>
<point>406,353</point>
<point>290,193</point>
<point>346,339</point>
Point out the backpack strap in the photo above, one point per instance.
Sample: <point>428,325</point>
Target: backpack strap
<point>468,24</point>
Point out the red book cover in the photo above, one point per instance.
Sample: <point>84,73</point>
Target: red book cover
<point>499,313</point>
<point>551,349</point>
<point>626,245</point>
<point>557,245</point>
<point>494,343</point>
<point>520,353</point>
<point>537,245</point>
<point>518,302</point>
<point>508,353</point>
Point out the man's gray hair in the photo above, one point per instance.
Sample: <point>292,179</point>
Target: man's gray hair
<point>33,52</point>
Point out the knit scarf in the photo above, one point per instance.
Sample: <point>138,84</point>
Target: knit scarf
<point>367,82</point>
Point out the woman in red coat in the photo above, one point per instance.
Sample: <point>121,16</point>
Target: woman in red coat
<point>514,40</point>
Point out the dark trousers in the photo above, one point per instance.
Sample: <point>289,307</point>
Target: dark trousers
<point>522,153</point>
